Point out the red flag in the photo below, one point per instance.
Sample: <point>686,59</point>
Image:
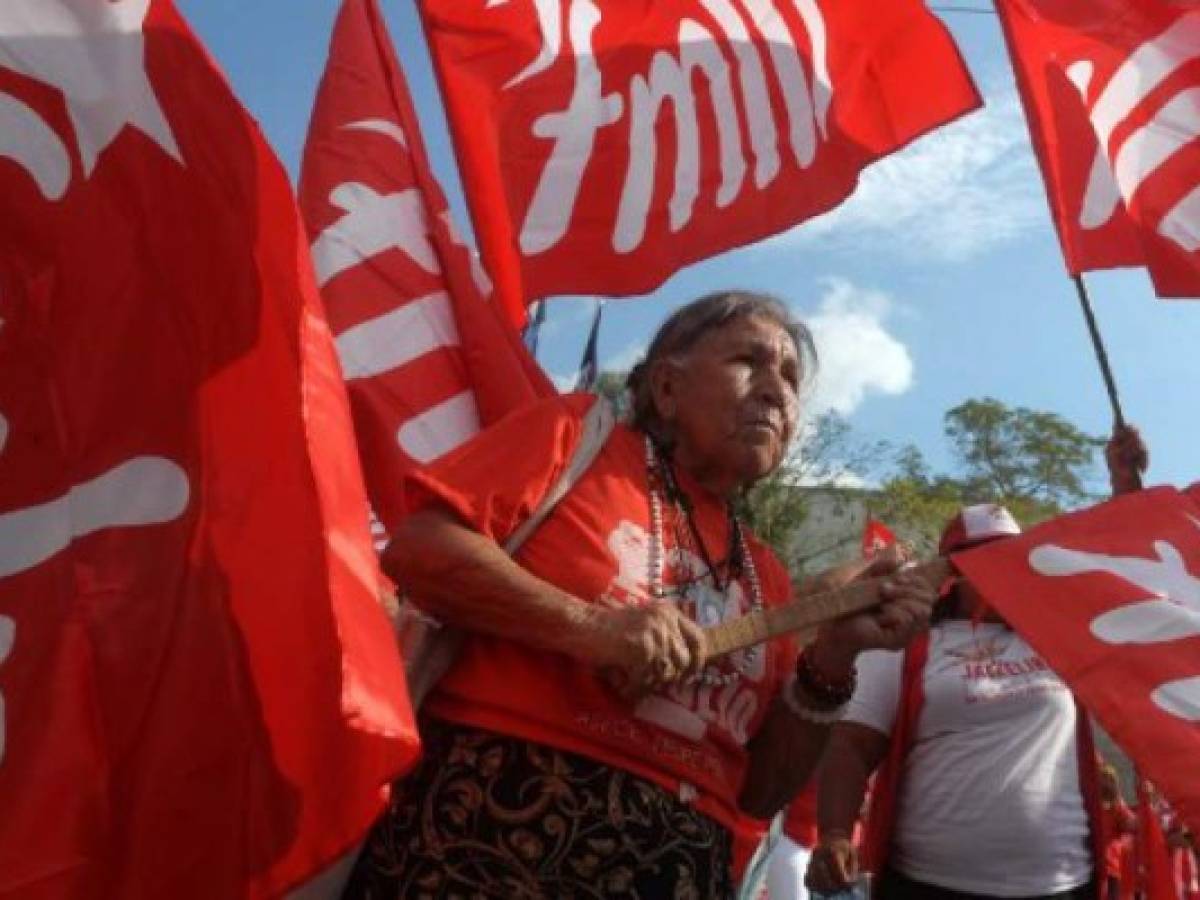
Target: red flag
<point>876,537</point>
<point>426,358</point>
<point>1110,92</point>
<point>1110,597</point>
<point>200,693</point>
<point>1155,879</point>
<point>606,144</point>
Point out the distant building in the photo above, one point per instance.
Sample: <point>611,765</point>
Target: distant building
<point>831,532</point>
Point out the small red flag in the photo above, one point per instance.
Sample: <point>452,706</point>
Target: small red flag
<point>199,692</point>
<point>605,144</point>
<point>1109,89</point>
<point>1110,597</point>
<point>876,537</point>
<point>427,359</point>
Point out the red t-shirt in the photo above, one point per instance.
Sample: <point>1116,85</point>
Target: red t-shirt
<point>594,545</point>
<point>1194,493</point>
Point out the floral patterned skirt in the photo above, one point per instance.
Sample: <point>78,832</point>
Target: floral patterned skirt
<point>486,815</point>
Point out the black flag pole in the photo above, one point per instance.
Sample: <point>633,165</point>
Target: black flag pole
<point>589,366</point>
<point>1110,384</point>
<point>533,329</point>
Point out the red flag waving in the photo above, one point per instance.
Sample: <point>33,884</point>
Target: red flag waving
<point>426,358</point>
<point>876,537</point>
<point>1110,597</point>
<point>1110,91</point>
<point>200,693</point>
<point>606,144</point>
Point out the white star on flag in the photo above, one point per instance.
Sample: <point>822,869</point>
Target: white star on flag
<point>1167,607</point>
<point>94,52</point>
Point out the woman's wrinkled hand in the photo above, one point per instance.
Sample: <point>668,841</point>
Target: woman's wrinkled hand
<point>908,601</point>
<point>643,648</point>
<point>833,866</point>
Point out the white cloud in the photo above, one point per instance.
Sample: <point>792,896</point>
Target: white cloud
<point>564,381</point>
<point>858,356</point>
<point>958,192</point>
<point>625,359</point>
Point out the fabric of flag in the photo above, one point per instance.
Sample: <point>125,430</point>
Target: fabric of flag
<point>199,692</point>
<point>1110,597</point>
<point>605,144</point>
<point>1110,92</point>
<point>1156,880</point>
<point>876,537</point>
<point>426,358</point>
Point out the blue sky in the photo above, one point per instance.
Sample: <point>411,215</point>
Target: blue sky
<point>940,280</point>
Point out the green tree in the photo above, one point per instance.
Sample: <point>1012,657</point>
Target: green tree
<point>1029,455</point>
<point>825,455</point>
<point>611,385</point>
<point>1033,462</point>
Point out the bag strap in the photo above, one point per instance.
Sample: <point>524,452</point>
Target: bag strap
<point>597,425</point>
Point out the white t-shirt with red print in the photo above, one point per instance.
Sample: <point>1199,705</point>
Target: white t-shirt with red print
<point>990,800</point>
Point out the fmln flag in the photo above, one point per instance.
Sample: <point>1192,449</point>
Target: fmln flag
<point>427,359</point>
<point>1110,597</point>
<point>605,144</point>
<point>199,692</point>
<point>1110,90</point>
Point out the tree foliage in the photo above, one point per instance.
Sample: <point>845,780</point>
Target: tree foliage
<point>1037,457</point>
<point>1033,462</point>
<point>1036,463</point>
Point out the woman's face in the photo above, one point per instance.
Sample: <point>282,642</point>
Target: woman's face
<point>732,402</point>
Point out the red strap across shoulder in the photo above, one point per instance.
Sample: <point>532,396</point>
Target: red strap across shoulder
<point>881,818</point>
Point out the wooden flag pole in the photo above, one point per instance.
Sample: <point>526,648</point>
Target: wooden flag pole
<point>1110,384</point>
<point>1089,316</point>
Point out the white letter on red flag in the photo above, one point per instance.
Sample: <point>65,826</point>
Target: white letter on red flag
<point>1112,94</point>
<point>426,358</point>
<point>1111,598</point>
<point>199,692</point>
<point>605,144</point>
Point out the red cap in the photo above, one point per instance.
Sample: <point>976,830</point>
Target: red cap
<point>976,524</point>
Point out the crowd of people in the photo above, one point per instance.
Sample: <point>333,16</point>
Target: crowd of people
<point>582,744</point>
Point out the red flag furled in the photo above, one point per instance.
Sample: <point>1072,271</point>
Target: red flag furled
<point>1110,91</point>
<point>1110,597</point>
<point>606,144</point>
<point>201,696</point>
<point>1154,876</point>
<point>426,358</point>
<point>876,537</point>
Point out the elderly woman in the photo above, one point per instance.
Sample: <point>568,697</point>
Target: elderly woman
<point>580,745</point>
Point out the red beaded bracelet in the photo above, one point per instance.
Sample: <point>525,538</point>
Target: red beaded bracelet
<point>827,693</point>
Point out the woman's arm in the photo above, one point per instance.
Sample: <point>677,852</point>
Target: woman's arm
<point>785,751</point>
<point>468,581</point>
<point>854,752</point>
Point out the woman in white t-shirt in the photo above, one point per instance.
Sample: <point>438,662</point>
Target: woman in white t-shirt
<point>987,787</point>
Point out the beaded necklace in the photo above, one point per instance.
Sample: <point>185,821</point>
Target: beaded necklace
<point>657,471</point>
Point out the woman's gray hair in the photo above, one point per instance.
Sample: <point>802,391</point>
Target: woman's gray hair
<point>688,324</point>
